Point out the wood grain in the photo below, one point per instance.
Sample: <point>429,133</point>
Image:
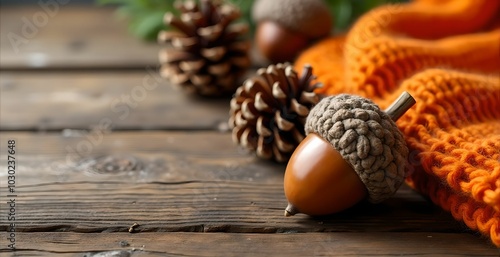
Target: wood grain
<point>187,181</point>
<point>105,157</point>
<point>80,100</point>
<point>88,37</point>
<point>231,244</point>
<point>205,206</point>
<point>160,156</point>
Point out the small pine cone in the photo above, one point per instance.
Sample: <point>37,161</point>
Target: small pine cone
<point>269,110</point>
<point>206,54</point>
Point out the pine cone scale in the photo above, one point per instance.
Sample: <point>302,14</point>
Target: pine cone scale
<point>307,74</point>
<point>258,84</point>
<point>171,56</point>
<point>241,46</point>
<point>240,121</point>
<point>200,80</point>
<point>282,144</point>
<point>293,80</point>
<point>297,135</point>
<point>299,108</point>
<point>283,82</point>
<point>220,69</point>
<point>262,150</point>
<point>184,43</point>
<point>260,104</point>
<point>186,6</point>
<point>282,123</point>
<point>309,97</point>
<point>191,66</point>
<point>236,133</point>
<point>246,110</point>
<point>278,155</point>
<point>192,19</point>
<point>278,92</point>
<point>214,54</point>
<point>167,36</point>
<point>173,21</point>
<point>210,33</point>
<point>235,31</point>
<point>246,139</point>
<point>262,130</point>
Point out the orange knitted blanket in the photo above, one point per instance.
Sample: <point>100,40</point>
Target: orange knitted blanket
<point>446,53</point>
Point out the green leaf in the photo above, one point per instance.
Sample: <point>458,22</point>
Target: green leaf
<point>148,26</point>
<point>342,13</point>
<point>146,16</point>
<point>104,2</point>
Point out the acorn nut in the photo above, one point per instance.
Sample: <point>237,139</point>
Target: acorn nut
<point>353,151</point>
<point>285,27</point>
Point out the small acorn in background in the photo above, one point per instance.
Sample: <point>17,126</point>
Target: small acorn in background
<point>353,151</point>
<point>285,27</point>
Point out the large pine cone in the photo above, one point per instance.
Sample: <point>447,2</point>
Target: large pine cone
<point>206,54</point>
<point>269,110</point>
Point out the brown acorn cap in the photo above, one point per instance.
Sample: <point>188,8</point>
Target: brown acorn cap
<point>366,137</point>
<point>311,17</point>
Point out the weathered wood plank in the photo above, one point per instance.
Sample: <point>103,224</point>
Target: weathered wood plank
<point>186,181</point>
<point>205,206</point>
<point>69,37</point>
<point>151,156</point>
<point>74,37</point>
<point>230,244</point>
<point>79,100</point>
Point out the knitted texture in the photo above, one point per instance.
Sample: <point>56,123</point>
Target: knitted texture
<point>446,55</point>
<point>366,137</point>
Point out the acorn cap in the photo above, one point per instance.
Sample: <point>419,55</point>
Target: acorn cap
<point>311,17</point>
<point>366,137</point>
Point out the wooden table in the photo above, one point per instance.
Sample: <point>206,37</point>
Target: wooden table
<point>111,161</point>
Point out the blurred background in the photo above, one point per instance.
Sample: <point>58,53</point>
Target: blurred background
<point>74,59</point>
<point>145,16</point>
<point>24,2</point>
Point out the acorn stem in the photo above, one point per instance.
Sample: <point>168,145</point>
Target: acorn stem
<point>404,102</point>
<point>290,210</point>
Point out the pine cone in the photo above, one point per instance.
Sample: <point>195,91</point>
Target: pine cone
<point>269,110</point>
<point>206,54</point>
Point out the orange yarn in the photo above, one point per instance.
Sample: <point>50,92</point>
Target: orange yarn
<point>446,53</point>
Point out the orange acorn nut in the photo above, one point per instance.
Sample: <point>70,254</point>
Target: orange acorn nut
<point>353,151</point>
<point>278,44</point>
<point>285,27</point>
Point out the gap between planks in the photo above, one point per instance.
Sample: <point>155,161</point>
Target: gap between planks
<point>187,181</point>
<point>206,206</point>
<point>227,244</point>
<point>175,181</point>
<point>136,100</point>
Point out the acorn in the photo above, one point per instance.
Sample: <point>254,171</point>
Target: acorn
<point>353,151</point>
<point>285,27</point>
